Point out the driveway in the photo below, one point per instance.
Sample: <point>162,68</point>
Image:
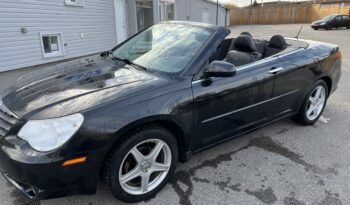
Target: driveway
<point>283,163</point>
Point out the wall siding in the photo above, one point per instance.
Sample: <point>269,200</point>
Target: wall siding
<point>95,20</point>
<point>197,7</point>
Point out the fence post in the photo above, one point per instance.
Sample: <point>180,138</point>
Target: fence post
<point>251,7</point>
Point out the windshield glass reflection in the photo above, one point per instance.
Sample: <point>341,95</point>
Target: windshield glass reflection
<point>164,47</point>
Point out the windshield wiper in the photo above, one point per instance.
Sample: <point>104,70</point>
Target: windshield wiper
<point>139,52</point>
<point>129,62</point>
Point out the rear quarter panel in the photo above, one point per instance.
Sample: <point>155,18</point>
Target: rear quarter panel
<point>327,56</point>
<point>305,66</point>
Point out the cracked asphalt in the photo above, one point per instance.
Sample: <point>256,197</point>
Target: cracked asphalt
<point>282,163</point>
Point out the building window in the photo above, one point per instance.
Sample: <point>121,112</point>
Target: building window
<point>144,11</point>
<point>170,10</point>
<point>52,44</point>
<point>166,10</point>
<point>74,2</point>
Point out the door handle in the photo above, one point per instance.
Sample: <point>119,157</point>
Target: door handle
<point>275,70</point>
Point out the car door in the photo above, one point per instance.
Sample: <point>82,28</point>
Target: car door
<point>227,106</point>
<point>338,21</point>
<point>268,88</point>
<point>346,21</point>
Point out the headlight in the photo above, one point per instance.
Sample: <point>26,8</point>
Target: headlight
<point>47,135</point>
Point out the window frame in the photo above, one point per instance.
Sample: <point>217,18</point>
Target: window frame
<point>138,37</point>
<point>60,42</point>
<point>338,18</point>
<point>79,3</point>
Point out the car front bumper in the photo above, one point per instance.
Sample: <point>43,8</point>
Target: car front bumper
<point>317,26</point>
<point>43,176</point>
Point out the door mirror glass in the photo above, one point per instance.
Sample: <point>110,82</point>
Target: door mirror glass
<point>220,69</point>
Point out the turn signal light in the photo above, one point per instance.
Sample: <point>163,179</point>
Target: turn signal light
<point>340,55</point>
<point>74,161</point>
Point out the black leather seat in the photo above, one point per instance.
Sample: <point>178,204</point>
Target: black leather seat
<point>276,44</point>
<point>243,51</point>
<point>260,44</point>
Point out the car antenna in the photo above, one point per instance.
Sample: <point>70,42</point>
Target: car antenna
<point>297,37</point>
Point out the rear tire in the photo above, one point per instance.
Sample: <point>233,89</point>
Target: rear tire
<point>141,164</point>
<point>313,104</point>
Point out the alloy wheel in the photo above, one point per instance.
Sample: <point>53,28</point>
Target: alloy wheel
<point>316,103</point>
<point>145,166</point>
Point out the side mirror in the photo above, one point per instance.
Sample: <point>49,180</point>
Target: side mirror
<point>105,53</point>
<point>220,69</point>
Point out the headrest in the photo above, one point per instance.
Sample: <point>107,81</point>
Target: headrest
<point>277,41</point>
<point>246,33</point>
<point>245,43</point>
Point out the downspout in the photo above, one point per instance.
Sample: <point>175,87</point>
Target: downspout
<point>225,17</point>
<point>165,14</point>
<point>115,20</point>
<point>188,9</point>
<point>217,12</point>
<point>156,15</point>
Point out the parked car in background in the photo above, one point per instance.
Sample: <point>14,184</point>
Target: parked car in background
<point>170,91</point>
<point>332,21</point>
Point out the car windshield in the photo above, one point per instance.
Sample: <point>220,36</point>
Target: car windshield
<point>327,18</point>
<point>164,47</point>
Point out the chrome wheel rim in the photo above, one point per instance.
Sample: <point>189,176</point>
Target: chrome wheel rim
<point>145,166</point>
<point>316,102</point>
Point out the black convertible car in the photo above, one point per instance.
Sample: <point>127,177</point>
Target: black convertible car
<point>130,114</point>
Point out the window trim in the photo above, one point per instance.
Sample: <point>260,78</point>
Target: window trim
<point>338,18</point>
<point>79,3</point>
<point>61,50</point>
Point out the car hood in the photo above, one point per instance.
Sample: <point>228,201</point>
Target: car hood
<point>75,86</point>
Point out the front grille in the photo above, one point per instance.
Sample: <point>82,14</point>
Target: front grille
<point>7,120</point>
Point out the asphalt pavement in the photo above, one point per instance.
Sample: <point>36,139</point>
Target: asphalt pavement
<point>283,163</point>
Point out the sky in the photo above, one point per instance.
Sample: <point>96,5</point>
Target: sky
<point>247,2</point>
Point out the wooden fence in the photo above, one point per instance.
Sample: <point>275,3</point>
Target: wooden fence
<point>284,14</point>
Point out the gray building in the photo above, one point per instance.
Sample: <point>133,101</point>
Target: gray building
<point>34,32</point>
<point>202,11</point>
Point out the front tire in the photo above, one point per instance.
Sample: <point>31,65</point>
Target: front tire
<point>141,164</point>
<point>313,105</point>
